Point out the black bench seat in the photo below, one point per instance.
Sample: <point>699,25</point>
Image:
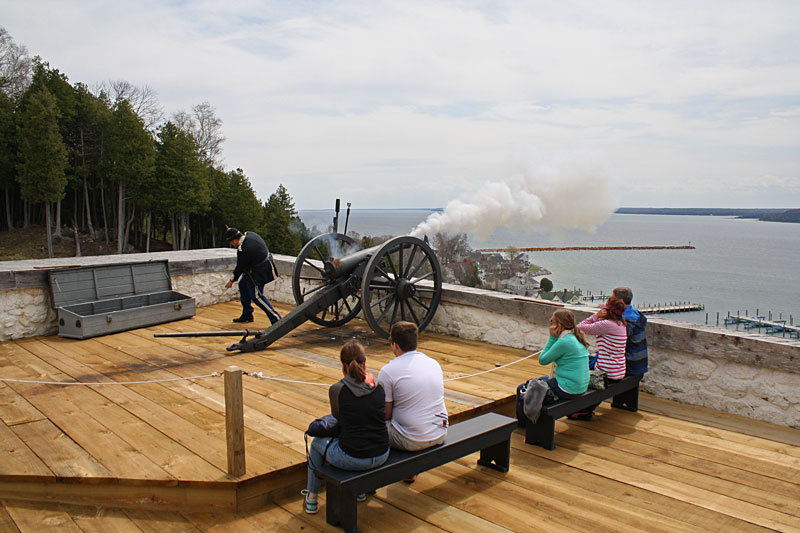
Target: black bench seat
<point>489,433</point>
<point>625,394</point>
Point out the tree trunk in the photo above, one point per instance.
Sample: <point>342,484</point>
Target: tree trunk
<point>88,204</point>
<point>174,232</point>
<point>213,234</point>
<point>86,189</point>
<point>26,214</point>
<point>57,231</point>
<point>9,218</point>
<point>127,233</point>
<point>102,188</point>
<point>103,203</point>
<point>147,234</point>
<point>120,217</point>
<point>77,238</point>
<point>49,224</point>
<point>183,230</point>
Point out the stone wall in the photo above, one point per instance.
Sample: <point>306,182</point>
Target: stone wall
<point>737,372</point>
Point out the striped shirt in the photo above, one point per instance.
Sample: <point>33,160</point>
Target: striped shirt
<point>611,339</point>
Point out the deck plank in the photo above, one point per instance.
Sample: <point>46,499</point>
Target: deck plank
<point>678,490</point>
<point>734,456</point>
<point>17,456</point>
<point>14,409</point>
<point>63,456</point>
<point>35,516</point>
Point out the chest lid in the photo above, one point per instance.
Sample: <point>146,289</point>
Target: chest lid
<point>100,282</point>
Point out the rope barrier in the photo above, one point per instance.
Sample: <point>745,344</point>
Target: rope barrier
<point>212,375</point>
<point>493,369</point>
<point>258,375</point>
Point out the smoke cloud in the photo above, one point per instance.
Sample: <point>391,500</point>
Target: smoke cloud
<point>558,194</point>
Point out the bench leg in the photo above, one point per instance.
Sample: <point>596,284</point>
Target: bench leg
<point>497,456</point>
<point>628,400</point>
<point>341,508</point>
<point>543,432</point>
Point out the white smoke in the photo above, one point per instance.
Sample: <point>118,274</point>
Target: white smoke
<point>562,193</point>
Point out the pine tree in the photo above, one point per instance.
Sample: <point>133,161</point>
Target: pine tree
<point>131,156</point>
<point>183,185</point>
<point>42,154</point>
<point>283,228</point>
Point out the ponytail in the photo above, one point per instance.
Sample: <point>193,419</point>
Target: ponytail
<point>353,358</point>
<point>356,371</point>
<point>580,336</point>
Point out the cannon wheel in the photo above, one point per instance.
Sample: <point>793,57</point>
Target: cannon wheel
<point>402,281</point>
<point>318,248</point>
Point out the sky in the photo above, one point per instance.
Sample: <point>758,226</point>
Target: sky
<point>400,104</point>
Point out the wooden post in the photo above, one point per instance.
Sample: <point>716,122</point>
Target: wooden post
<point>234,420</point>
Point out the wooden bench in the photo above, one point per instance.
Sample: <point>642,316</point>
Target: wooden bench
<point>489,433</point>
<point>625,394</point>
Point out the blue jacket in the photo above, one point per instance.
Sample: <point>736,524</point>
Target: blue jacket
<point>636,347</point>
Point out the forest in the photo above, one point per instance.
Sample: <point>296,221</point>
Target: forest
<point>107,162</point>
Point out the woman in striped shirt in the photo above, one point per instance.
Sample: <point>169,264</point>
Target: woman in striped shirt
<point>612,335</point>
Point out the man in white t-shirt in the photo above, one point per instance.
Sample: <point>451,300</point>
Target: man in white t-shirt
<point>413,384</point>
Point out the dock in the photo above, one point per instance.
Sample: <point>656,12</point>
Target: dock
<point>770,326</point>
<point>676,307</point>
<point>589,248</point>
<point>151,456</point>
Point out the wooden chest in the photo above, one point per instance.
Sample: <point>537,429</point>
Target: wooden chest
<point>104,299</point>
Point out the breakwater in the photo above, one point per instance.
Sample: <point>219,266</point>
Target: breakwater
<point>574,248</point>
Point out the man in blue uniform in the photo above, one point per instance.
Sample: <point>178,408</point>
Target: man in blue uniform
<point>254,269</point>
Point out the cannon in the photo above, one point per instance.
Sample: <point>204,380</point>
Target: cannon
<point>333,280</point>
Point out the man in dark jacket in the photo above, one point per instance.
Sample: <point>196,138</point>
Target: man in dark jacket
<point>254,269</point>
<point>636,345</point>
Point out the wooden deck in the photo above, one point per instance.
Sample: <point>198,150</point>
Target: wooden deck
<point>152,457</point>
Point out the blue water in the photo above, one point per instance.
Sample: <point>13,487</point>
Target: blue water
<point>738,264</point>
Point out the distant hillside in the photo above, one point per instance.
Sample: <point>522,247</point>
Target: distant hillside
<point>771,215</point>
<point>699,211</point>
<point>791,215</point>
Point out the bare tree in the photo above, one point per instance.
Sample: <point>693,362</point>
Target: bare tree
<point>143,100</point>
<point>450,248</point>
<point>206,129</point>
<point>15,66</point>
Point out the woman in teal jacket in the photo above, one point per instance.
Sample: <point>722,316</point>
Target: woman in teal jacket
<point>567,350</point>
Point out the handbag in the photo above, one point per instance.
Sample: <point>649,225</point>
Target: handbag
<point>598,379</point>
<point>325,426</point>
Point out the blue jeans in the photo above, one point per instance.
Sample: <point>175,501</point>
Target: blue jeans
<point>338,458</point>
<point>249,293</point>
<point>558,391</point>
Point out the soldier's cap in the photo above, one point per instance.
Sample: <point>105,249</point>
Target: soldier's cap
<point>231,234</point>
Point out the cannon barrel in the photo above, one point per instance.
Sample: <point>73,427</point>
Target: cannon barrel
<point>344,266</point>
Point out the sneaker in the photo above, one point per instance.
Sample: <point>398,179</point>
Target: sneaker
<point>586,416</point>
<point>311,506</point>
<point>410,480</point>
<point>361,497</point>
<point>243,319</point>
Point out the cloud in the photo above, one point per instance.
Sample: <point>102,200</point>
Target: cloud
<point>434,96</point>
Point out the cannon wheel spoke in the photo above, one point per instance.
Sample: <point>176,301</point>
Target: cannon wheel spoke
<point>410,262</point>
<point>390,289</point>
<point>313,255</point>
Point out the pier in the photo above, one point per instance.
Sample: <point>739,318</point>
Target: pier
<point>675,307</point>
<point>771,327</point>
<point>575,248</point>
